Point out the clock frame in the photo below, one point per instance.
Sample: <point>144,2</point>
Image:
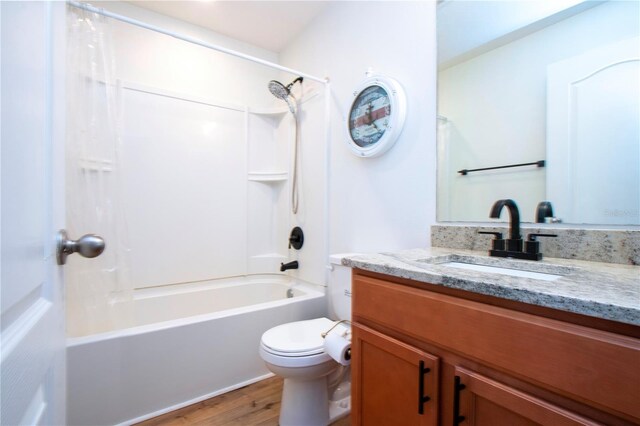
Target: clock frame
<point>376,116</point>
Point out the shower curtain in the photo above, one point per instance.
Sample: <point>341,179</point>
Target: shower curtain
<point>94,183</point>
<point>444,169</point>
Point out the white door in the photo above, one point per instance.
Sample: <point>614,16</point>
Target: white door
<point>32,299</point>
<point>593,135</point>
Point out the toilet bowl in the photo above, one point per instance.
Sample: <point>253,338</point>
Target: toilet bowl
<point>316,387</point>
<point>295,352</point>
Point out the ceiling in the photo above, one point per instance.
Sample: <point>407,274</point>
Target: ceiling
<point>490,24</point>
<point>267,24</point>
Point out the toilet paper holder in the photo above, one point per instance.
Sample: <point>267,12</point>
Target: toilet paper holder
<point>324,335</point>
<point>332,327</point>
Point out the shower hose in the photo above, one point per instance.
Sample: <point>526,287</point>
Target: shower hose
<point>294,183</point>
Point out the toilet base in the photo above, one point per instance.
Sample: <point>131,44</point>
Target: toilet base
<point>339,409</point>
<point>305,402</point>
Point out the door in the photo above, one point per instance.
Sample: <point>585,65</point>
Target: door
<point>593,135</point>
<point>32,363</point>
<point>393,383</point>
<point>479,400</point>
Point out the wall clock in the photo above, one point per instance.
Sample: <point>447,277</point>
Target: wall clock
<point>376,115</point>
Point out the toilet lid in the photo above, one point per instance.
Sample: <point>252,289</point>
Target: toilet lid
<point>300,337</point>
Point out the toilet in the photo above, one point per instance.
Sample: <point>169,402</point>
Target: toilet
<point>316,387</point>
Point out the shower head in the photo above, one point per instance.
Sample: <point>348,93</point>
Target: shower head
<point>281,91</point>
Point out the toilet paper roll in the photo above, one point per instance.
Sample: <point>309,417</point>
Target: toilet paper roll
<point>338,348</point>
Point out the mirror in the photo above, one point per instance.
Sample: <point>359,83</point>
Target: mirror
<point>542,96</point>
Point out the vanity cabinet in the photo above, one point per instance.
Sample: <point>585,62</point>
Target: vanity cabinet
<point>488,364</point>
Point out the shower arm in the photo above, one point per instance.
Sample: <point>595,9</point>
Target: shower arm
<point>290,85</point>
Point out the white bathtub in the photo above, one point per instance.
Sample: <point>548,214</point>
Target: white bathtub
<point>190,342</point>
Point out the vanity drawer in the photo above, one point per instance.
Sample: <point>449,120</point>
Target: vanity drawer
<point>595,367</point>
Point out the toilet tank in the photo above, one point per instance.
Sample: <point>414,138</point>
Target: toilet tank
<point>339,288</point>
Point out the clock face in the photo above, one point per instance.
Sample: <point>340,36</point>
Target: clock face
<point>369,116</point>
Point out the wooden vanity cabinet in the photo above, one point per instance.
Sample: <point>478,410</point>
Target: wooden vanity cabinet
<point>488,365</point>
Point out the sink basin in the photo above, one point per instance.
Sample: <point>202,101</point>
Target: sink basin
<point>502,266</point>
<point>504,271</point>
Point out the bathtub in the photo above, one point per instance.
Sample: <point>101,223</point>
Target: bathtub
<point>189,342</point>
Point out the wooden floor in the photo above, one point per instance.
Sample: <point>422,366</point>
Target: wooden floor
<point>256,404</point>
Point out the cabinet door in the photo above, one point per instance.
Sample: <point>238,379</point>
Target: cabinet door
<point>393,383</point>
<point>481,401</point>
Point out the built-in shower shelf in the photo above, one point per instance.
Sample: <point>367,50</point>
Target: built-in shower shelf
<point>273,111</point>
<point>268,176</point>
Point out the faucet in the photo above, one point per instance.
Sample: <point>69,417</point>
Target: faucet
<point>544,213</point>
<point>513,246</point>
<point>514,243</point>
<point>290,265</point>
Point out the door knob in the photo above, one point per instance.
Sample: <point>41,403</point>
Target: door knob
<point>89,245</point>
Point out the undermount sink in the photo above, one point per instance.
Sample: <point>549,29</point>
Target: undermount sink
<point>502,266</point>
<point>504,271</point>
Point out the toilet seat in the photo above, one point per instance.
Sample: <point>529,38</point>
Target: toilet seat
<point>294,361</point>
<point>298,338</point>
<point>296,344</point>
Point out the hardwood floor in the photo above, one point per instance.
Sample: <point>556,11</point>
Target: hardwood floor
<point>253,405</point>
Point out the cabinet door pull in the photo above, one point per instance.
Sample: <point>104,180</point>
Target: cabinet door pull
<point>422,398</point>
<point>457,387</point>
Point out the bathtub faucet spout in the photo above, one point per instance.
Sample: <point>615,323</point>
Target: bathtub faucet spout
<point>290,265</point>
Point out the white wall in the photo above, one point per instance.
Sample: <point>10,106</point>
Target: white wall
<point>388,202</point>
<point>496,106</point>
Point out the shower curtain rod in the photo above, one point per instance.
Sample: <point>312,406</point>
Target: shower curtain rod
<point>188,39</point>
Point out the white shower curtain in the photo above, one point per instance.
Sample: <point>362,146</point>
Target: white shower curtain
<point>94,183</point>
<point>444,170</point>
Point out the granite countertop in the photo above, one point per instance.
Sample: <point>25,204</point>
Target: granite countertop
<point>602,290</point>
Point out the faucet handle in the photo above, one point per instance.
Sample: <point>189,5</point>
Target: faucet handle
<point>532,237</point>
<point>532,246</point>
<point>296,238</point>
<point>498,242</point>
<point>497,234</point>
